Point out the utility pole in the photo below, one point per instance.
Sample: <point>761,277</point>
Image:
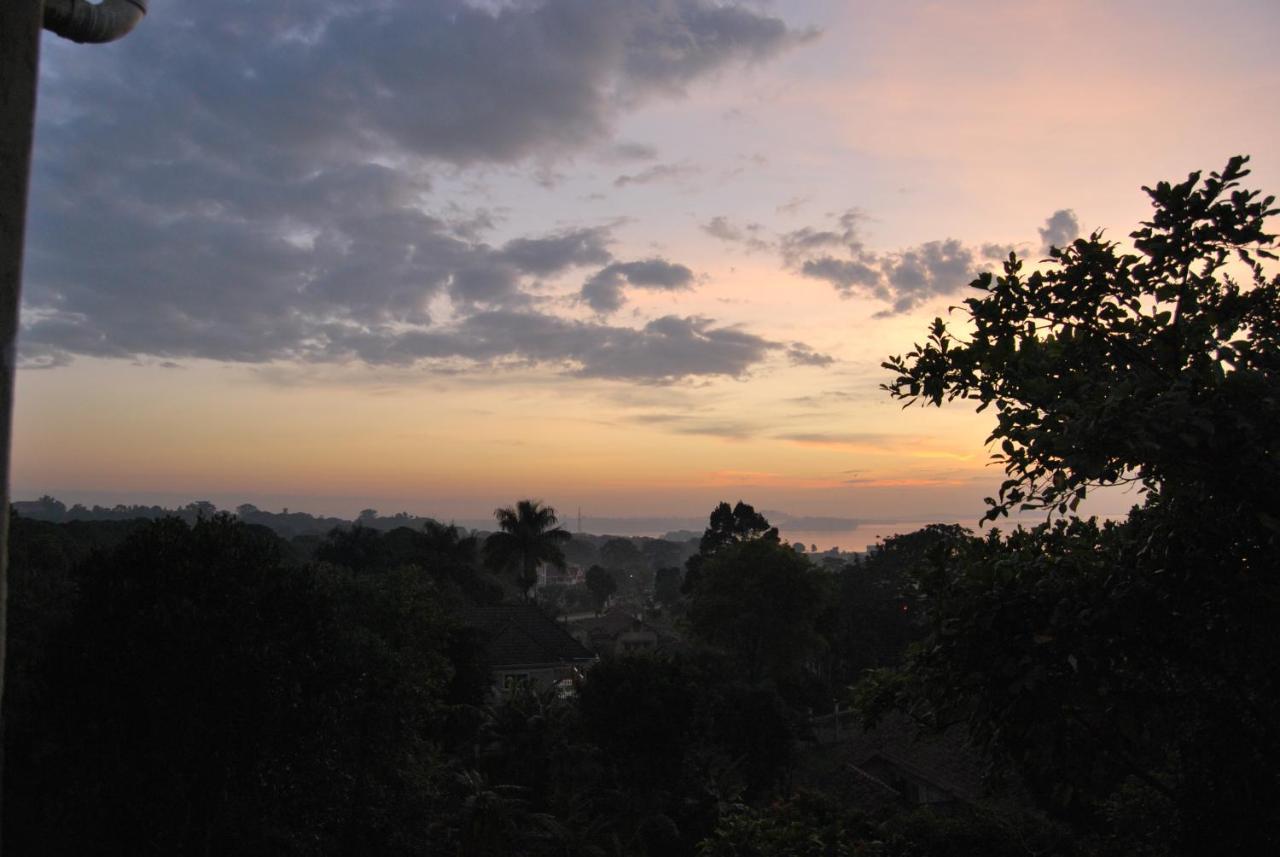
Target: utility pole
<point>20,22</point>
<point>20,25</point>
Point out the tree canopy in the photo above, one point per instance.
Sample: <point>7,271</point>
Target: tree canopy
<point>731,525</point>
<point>199,694</point>
<point>760,601</point>
<point>1125,671</point>
<point>1157,366</point>
<point>527,537</point>
<point>601,584</point>
<point>727,526</point>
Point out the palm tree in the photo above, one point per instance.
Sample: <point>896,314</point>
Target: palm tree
<point>528,537</point>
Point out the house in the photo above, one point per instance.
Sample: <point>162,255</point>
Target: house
<point>617,632</point>
<point>897,763</point>
<point>524,646</point>
<point>570,575</point>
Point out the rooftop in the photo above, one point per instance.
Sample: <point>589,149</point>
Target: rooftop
<point>521,634</point>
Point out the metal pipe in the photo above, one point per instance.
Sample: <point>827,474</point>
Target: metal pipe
<point>19,59</point>
<point>84,22</point>
<point>20,23</point>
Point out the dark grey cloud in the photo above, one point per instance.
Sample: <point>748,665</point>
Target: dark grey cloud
<point>675,41</point>
<point>604,290</point>
<point>1059,230</point>
<point>672,347</point>
<point>253,181</point>
<point>553,254</point>
<point>664,350</point>
<point>433,77</point>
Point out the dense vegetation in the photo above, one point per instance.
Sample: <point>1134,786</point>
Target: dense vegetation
<point>1125,671</point>
<point>211,688</point>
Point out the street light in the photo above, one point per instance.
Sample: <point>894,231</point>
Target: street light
<point>84,22</point>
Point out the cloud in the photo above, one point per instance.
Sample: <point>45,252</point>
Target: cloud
<point>721,228</point>
<point>671,348</point>
<point>997,252</point>
<point>866,441</point>
<point>657,173</point>
<point>441,78</point>
<point>933,268</point>
<point>603,291</point>
<point>798,244</point>
<point>631,151</point>
<point>664,350</point>
<point>684,424</point>
<point>254,181</point>
<point>905,279</point>
<point>793,205</point>
<point>802,355</point>
<point>844,274</point>
<point>1059,230</point>
<point>827,398</point>
<point>553,254</point>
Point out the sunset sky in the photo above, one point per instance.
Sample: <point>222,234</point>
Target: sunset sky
<point>635,257</point>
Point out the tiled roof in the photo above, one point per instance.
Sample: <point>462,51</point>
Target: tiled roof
<point>614,622</point>
<point>854,765</point>
<point>521,634</point>
<point>947,760</point>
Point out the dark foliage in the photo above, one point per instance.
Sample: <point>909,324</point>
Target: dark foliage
<point>200,696</point>
<point>601,585</point>
<point>760,601</point>
<point>527,537</point>
<point>727,526</point>
<point>1126,671</point>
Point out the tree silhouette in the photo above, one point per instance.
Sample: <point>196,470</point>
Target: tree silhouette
<point>731,525</point>
<point>527,538</point>
<point>1157,368</point>
<point>727,526</point>
<point>1127,671</point>
<point>759,601</point>
<point>601,584</point>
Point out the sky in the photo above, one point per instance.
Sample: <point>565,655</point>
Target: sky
<point>629,257</point>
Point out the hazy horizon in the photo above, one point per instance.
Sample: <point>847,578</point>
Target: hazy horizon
<point>846,534</point>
